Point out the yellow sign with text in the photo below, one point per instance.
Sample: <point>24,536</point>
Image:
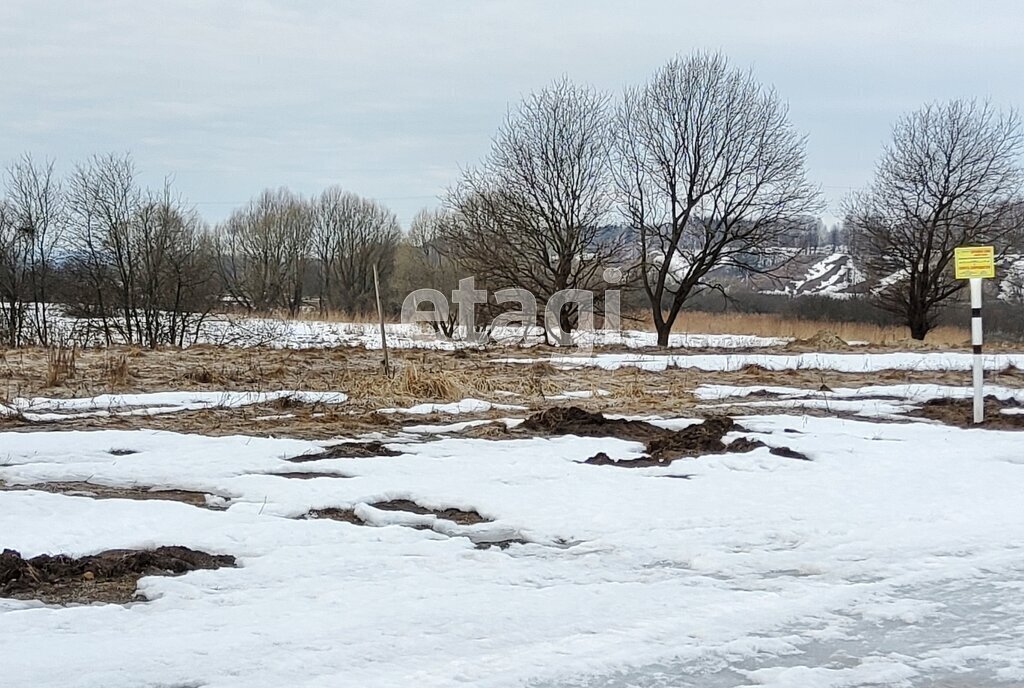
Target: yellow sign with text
<point>975,261</point>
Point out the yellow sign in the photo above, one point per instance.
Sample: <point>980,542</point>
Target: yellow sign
<point>975,261</point>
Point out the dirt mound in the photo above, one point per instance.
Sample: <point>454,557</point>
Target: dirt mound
<point>572,420</point>
<point>704,438</point>
<point>822,339</point>
<point>109,576</point>
<point>960,412</point>
<point>348,450</point>
<point>695,440</point>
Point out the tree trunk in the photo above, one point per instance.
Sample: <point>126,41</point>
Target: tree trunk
<point>919,327</point>
<point>664,330</point>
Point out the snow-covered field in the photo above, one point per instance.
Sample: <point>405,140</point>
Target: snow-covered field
<point>244,331</point>
<point>893,557</point>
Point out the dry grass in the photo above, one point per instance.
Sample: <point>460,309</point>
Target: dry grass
<point>761,324</point>
<point>769,325</point>
<point>116,370</point>
<point>60,365</point>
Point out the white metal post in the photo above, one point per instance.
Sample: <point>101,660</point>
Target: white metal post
<point>976,342</point>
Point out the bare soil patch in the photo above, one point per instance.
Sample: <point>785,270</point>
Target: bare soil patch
<point>662,446</point>
<point>335,514</point>
<point>960,412</point>
<point>348,450</point>
<point>573,420</point>
<point>308,475</point>
<point>94,491</point>
<point>109,576</point>
<point>460,516</point>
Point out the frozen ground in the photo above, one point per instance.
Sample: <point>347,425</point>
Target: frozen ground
<point>894,557</point>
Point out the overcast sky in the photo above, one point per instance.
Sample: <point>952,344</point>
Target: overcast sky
<point>389,99</point>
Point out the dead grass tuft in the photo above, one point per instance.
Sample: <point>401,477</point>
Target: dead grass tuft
<point>773,325</point>
<point>60,364</point>
<point>116,371</point>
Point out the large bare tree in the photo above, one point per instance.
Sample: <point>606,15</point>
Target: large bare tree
<point>710,174</point>
<point>531,215</point>
<point>351,234</point>
<point>31,228</point>
<point>144,266</point>
<point>951,176</point>
<point>263,251</point>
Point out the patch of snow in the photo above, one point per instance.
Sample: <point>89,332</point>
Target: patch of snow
<point>456,407</point>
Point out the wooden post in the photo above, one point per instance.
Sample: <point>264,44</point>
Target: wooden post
<point>380,314</point>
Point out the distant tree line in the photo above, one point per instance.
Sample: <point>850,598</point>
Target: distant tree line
<point>679,183</point>
<point>143,267</point>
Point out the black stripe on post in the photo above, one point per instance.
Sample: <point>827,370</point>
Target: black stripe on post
<point>977,349</point>
<point>975,312</point>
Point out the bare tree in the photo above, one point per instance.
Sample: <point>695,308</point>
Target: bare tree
<point>531,215</point>
<point>144,266</point>
<point>710,174</point>
<point>30,232</point>
<point>950,177</point>
<point>263,251</point>
<point>350,235</point>
<point>13,263</point>
<point>174,273</point>
<point>424,262</point>
<point>104,200</point>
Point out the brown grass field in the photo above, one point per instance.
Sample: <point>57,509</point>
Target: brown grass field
<point>763,325</point>
<point>419,376</point>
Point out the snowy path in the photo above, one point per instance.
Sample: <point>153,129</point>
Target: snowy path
<point>895,557</point>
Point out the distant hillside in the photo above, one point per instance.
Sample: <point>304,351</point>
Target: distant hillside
<point>834,273</point>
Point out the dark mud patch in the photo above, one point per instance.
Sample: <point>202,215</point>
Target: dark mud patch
<point>308,475</point>
<point>348,450</point>
<point>696,440</point>
<point>480,540</point>
<point>94,491</point>
<point>122,452</point>
<point>572,420</point>
<point>335,514</point>
<point>960,412</point>
<point>460,516</point>
<point>111,576</point>
<point>787,453</point>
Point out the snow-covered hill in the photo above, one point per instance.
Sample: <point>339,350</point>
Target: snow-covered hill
<point>835,273</point>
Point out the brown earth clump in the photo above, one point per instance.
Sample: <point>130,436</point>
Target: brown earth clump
<point>109,576</point>
<point>572,420</point>
<point>696,440</point>
<point>347,450</point>
<point>960,412</point>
